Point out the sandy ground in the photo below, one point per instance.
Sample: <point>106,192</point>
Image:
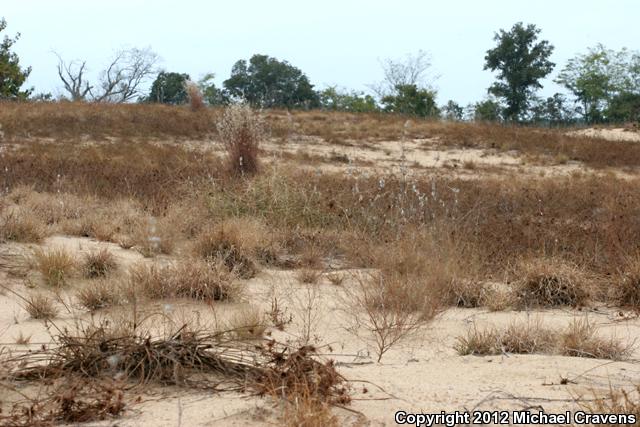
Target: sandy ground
<point>619,134</point>
<point>423,374</point>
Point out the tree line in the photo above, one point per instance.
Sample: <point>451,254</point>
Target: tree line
<point>602,85</point>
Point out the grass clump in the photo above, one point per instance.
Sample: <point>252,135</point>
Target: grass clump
<point>248,323</point>
<point>579,339</point>
<point>550,283</point>
<point>235,242</point>
<point>98,264</point>
<point>98,294</point>
<point>194,279</point>
<point>308,276</point>
<point>626,291</point>
<point>21,226</point>
<point>55,265</point>
<point>40,306</point>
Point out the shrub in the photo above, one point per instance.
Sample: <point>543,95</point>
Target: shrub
<point>194,94</point>
<point>626,292</point>
<point>550,283</point>
<point>55,265</point>
<point>247,323</point>
<point>241,131</point>
<point>580,339</point>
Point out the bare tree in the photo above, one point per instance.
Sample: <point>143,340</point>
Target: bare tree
<point>120,82</point>
<point>73,79</point>
<point>410,70</point>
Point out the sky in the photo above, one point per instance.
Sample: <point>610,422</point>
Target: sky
<point>335,42</point>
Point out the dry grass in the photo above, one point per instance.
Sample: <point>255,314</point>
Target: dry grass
<point>248,323</point>
<point>40,306</point>
<point>21,226</point>
<point>236,242</point>
<point>188,278</point>
<point>626,290</point>
<point>98,264</point>
<point>579,339</point>
<point>55,265</point>
<point>241,130</point>
<point>551,283</point>
<point>99,294</point>
<point>308,276</point>
<point>196,100</point>
<point>22,339</point>
<point>616,401</point>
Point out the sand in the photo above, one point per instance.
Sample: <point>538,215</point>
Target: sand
<point>423,374</point>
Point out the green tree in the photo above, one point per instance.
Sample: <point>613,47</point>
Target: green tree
<point>212,94</point>
<point>409,99</point>
<point>333,99</point>
<point>453,111</point>
<point>624,107</point>
<point>488,110</point>
<point>169,88</point>
<point>12,76</point>
<point>521,62</point>
<point>552,111</point>
<point>267,82</point>
<point>599,76</point>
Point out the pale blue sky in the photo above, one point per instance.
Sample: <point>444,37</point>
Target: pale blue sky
<point>333,42</point>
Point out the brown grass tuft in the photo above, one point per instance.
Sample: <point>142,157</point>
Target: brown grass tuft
<point>551,283</point>
<point>55,265</point>
<point>99,294</point>
<point>580,339</point>
<point>194,279</point>
<point>40,306</point>
<point>21,226</point>
<point>98,263</point>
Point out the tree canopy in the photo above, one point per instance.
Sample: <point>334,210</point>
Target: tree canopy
<point>12,76</point>
<point>521,62</point>
<point>409,99</point>
<point>169,88</point>
<point>598,77</point>
<point>267,83</point>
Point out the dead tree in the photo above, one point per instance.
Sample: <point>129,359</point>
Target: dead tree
<point>120,82</point>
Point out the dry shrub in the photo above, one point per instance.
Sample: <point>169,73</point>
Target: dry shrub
<point>196,100</point>
<point>307,411</point>
<point>308,276</point>
<point>241,130</point>
<point>550,283</point>
<point>183,357</point>
<point>248,323</point>
<point>153,237</point>
<point>98,263</point>
<point>70,401</point>
<point>626,291</point>
<point>479,342</point>
<point>194,279</point>
<point>53,208</point>
<point>580,339</point>
<point>40,306</point>
<point>389,309</point>
<point>466,293</point>
<point>236,242</point>
<point>56,265</point>
<point>22,226</point>
<point>99,294</point>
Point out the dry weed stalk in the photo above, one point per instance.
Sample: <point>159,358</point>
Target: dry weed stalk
<point>241,130</point>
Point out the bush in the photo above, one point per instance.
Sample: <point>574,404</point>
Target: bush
<point>98,264</point>
<point>55,265</point>
<point>241,131</point>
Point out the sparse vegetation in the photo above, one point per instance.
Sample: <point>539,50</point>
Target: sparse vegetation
<point>40,306</point>
<point>241,130</point>
<point>55,265</point>
<point>98,263</point>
